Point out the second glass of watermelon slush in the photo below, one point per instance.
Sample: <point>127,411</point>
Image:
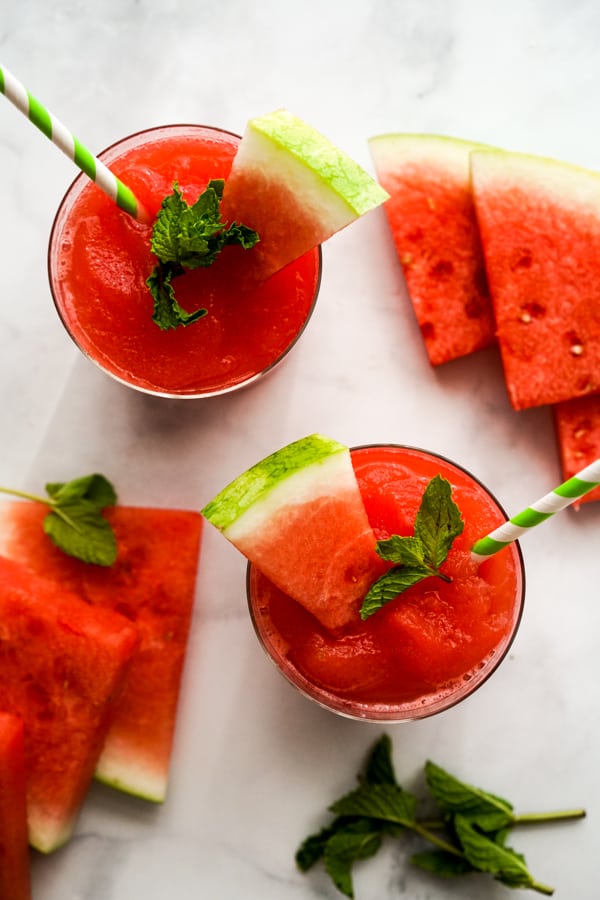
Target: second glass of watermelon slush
<point>431,646</point>
<point>100,257</point>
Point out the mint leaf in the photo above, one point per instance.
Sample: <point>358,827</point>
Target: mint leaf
<point>438,522</point>
<point>389,585</point>
<point>486,855</point>
<point>79,530</point>
<point>167,312</point>
<point>407,551</point>
<point>380,767</point>
<point>185,238</point>
<point>344,848</point>
<point>75,523</point>
<point>488,812</point>
<point>95,488</point>
<point>440,862</point>
<point>388,802</point>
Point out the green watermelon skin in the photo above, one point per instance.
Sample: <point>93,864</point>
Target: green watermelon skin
<point>295,188</point>
<point>432,219</point>
<point>539,221</point>
<point>577,425</point>
<point>152,583</point>
<point>62,664</point>
<point>15,880</point>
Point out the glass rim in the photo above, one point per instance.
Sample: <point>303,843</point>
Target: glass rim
<point>71,195</point>
<point>429,704</point>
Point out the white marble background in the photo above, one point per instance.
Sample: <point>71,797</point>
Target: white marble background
<point>255,764</point>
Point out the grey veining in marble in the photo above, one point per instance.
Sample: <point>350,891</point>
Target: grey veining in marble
<point>255,764</point>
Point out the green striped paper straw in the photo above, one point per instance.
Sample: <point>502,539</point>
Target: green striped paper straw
<point>561,497</point>
<point>49,125</point>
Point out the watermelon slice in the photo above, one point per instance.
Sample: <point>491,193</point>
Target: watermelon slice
<point>62,663</point>
<point>152,583</point>
<point>432,219</point>
<point>295,188</point>
<point>15,881</point>
<point>540,229</point>
<point>299,517</point>
<point>577,424</point>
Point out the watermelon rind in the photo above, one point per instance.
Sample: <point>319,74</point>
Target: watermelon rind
<point>284,139</point>
<point>395,149</point>
<point>255,493</point>
<point>295,188</point>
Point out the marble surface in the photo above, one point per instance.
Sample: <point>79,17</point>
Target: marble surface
<point>255,764</point>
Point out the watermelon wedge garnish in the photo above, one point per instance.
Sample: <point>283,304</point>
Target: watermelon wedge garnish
<point>15,881</point>
<point>433,224</point>
<point>295,188</point>
<point>298,516</point>
<point>62,664</point>
<point>152,583</point>
<point>539,221</point>
<point>577,424</point>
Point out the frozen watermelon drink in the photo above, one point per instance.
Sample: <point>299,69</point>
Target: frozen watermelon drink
<point>215,291</point>
<point>409,623</point>
<point>100,259</point>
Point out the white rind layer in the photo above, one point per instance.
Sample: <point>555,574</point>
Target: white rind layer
<point>569,186</point>
<point>332,475</point>
<point>259,154</point>
<point>395,152</point>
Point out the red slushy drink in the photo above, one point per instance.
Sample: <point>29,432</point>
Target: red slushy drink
<point>433,644</point>
<point>100,258</point>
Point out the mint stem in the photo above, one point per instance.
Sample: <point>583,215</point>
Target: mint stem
<point>438,842</point>
<point>541,888</point>
<point>27,496</point>
<point>47,501</point>
<point>557,816</point>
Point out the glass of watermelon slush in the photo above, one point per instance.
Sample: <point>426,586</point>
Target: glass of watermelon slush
<point>433,645</point>
<point>99,259</point>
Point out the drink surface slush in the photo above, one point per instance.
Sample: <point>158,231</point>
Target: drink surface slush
<point>429,647</point>
<point>100,258</point>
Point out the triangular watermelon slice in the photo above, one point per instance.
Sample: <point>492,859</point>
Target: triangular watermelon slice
<point>540,228</point>
<point>577,424</point>
<point>432,219</point>
<point>295,188</point>
<point>298,516</point>
<point>152,583</point>
<point>62,664</point>
<point>15,881</point>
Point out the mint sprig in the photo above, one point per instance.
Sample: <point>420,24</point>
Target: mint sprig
<point>437,524</point>
<point>187,237</point>
<point>469,835</point>
<point>75,523</point>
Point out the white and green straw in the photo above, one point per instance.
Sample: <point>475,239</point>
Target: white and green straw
<point>49,125</point>
<point>561,497</point>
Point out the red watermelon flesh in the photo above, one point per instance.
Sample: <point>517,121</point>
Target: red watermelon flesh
<point>433,224</point>
<point>152,583</point>
<point>15,881</point>
<point>540,228</point>
<point>62,664</point>
<point>577,424</point>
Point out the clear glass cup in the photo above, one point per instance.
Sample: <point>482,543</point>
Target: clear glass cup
<point>312,660</point>
<point>99,258</point>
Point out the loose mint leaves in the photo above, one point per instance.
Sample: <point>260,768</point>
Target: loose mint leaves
<point>420,556</point>
<point>469,835</point>
<point>75,522</point>
<point>187,237</point>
